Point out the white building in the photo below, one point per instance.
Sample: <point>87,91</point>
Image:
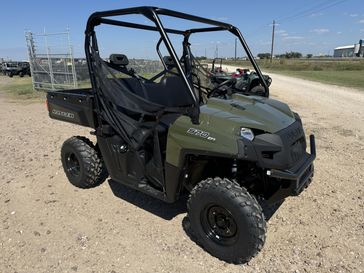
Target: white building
<point>350,51</point>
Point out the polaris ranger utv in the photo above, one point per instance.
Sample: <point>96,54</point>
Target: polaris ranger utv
<point>235,155</point>
<point>247,82</point>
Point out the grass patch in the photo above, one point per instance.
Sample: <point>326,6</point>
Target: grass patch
<point>343,78</point>
<point>84,84</point>
<point>20,88</point>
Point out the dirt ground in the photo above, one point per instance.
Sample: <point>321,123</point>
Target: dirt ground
<point>47,225</point>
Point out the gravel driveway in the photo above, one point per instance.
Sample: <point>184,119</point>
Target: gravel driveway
<point>47,225</point>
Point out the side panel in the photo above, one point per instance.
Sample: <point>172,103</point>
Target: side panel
<point>121,163</point>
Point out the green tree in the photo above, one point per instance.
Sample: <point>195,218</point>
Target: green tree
<point>263,55</point>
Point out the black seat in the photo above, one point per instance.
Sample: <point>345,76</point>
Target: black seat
<point>170,91</point>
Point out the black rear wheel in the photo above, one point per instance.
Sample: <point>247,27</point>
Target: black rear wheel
<point>226,220</point>
<point>82,163</point>
<point>72,164</point>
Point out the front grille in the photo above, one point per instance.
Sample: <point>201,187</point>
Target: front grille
<point>294,142</point>
<point>297,149</point>
<point>292,133</point>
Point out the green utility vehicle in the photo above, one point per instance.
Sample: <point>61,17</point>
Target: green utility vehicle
<point>16,68</point>
<point>236,156</point>
<point>247,82</point>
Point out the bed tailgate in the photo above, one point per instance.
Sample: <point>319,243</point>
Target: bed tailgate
<point>74,106</point>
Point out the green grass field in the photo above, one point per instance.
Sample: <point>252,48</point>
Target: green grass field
<point>348,73</point>
<point>20,88</point>
<point>342,78</point>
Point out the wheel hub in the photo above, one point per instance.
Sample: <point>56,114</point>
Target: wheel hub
<point>72,164</point>
<point>219,225</point>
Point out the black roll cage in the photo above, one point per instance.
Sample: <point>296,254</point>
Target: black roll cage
<point>152,13</point>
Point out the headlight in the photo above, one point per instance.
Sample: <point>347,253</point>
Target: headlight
<point>247,133</point>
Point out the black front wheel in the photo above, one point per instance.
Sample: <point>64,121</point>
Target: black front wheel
<point>82,163</point>
<point>226,220</point>
<point>257,91</point>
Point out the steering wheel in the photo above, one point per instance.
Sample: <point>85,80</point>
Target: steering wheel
<point>228,83</point>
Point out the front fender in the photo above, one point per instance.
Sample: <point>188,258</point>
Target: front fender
<point>216,137</point>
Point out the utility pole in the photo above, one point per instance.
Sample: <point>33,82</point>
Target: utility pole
<point>236,41</point>
<point>272,49</point>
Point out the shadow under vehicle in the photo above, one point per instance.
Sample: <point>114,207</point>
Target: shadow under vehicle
<point>236,156</point>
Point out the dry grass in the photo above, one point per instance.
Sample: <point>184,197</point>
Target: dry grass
<point>20,89</point>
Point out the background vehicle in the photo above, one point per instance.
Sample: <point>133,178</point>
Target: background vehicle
<point>176,132</point>
<point>249,82</point>
<point>16,68</point>
<point>246,81</point>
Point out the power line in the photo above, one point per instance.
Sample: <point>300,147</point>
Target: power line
<point>299,10</point>
<point>302,12</point>
<point>305,10</point>
<point>315,9</point>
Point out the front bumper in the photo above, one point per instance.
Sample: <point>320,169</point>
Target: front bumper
<point>295,179</point>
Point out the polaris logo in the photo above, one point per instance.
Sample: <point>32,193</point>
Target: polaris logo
<point>200,133</point>
<point>63,114</point>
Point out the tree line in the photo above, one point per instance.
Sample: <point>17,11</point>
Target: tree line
<point>287,55</point>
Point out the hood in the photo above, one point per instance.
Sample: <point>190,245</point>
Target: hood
<point>250,111</point>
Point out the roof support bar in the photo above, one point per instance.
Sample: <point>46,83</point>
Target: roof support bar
<point>137,26</point>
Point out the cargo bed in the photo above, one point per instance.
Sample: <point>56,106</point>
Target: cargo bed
<point>74,106</point>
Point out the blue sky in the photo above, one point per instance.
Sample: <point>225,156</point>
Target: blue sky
<point>311,26</point>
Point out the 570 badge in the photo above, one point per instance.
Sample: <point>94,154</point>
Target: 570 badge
<point>200,133</point>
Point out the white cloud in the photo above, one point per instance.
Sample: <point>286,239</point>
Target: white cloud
<point>361,21</point>
<point>282,33</point>
<point>320,30</point>
<point>353,15</point>
<point>362,30</point>
<point>339,32</point>
<point>293,38</point>
<point>316,14</point>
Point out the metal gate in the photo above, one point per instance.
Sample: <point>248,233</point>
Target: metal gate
<point>51,60</point>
